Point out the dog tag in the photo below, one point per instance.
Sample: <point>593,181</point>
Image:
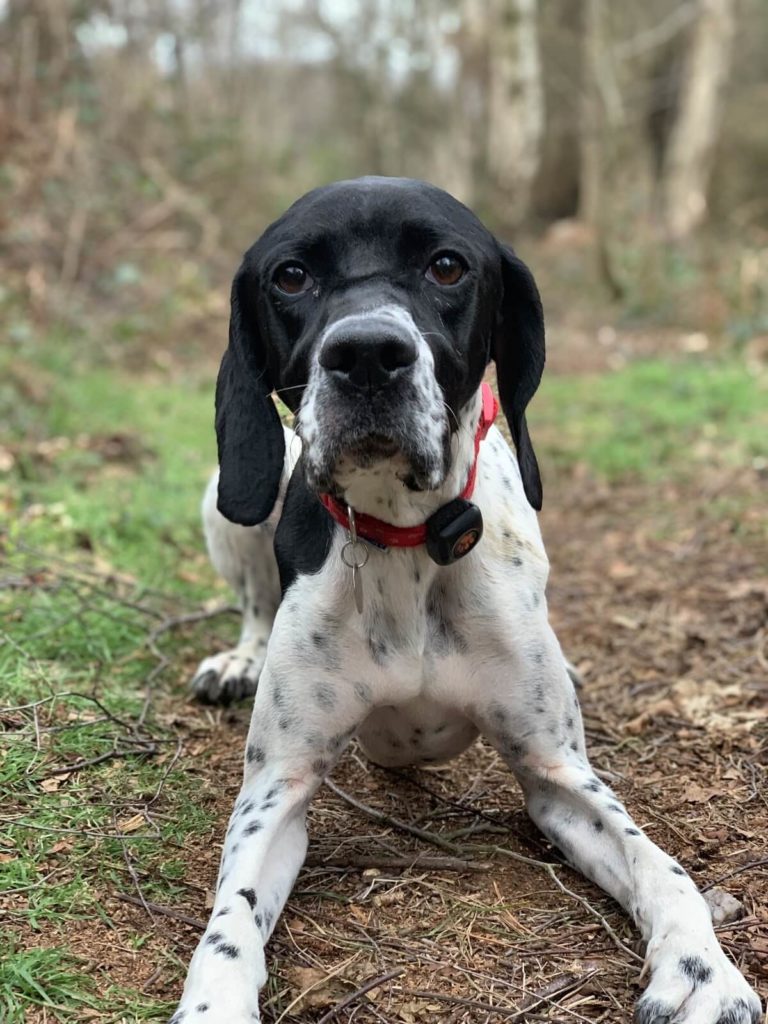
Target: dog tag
<point>453,531</point>
<point>354,555</point>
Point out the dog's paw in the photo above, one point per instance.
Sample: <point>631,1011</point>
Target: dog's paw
<point>229,676</point>
<point>697,988</point>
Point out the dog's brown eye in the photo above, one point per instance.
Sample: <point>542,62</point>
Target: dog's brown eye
<point>445,270</point>
<point>292,279</point>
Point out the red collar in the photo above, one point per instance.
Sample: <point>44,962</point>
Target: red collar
<point>387,535</point>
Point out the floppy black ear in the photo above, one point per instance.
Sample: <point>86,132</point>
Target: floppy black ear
<point>518,350</point>
<point>248,429</point>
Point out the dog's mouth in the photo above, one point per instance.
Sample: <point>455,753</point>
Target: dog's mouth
<point>371,448</point>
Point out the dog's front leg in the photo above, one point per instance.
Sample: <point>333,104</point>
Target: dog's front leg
<point>535,723</point>
<point>299,728</point>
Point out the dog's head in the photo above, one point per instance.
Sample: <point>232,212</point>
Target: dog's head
<point>373,308</point>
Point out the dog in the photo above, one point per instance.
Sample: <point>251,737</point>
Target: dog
<point>392,574</point>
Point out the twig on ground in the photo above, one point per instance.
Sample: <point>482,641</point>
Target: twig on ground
<point>386,819</point>
<point>132,873</point>
<point>354,996</point>
<point>149,750</point>
<point>475,1004</point>
<point>732,874</point>
<point>157,908</point>
<point>560,986</point>
<point>354,863</point>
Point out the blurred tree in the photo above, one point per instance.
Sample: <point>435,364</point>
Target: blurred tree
<point>689,154</point>
<point>515,98</point>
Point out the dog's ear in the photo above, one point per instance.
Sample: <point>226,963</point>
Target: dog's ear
<point>518,350</point>
<point>248,429</point>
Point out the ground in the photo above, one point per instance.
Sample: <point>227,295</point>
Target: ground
<point>115,787</point>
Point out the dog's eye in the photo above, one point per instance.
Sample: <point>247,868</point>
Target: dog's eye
<point>292,279</point>
<point>446,269</point>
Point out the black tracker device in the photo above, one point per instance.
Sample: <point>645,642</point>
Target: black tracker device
<point>453,531</point>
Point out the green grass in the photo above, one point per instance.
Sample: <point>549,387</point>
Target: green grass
<point>40,977</point>
<point>654,418</point>
<point>97,551</point>
<point>98,548</point>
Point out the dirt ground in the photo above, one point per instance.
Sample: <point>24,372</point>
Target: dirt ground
<point>663,607</point>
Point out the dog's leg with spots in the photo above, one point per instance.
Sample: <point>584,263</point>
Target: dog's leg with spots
<point>300,726</point>
<point>244,556</point>
<point>535,723</point>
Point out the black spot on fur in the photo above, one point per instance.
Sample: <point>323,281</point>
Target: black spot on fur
<point>677,870</point>
<point>598,825</point>
<point>249,896</point>
<point>498,714</point>
<point>738,1011</point>
<point>616,808</point>
<point>254,754</point>
<point>319,640</point>
<point>272,792</point>
<point>246,808</point>
<point>653,1013</point>
<point>569,722</point>
<point>693,967</point>
<point>252,828</point>
<point>202,1007</point>
<point>516,560</point>
<point>631,831</point>
<point>213,938</point>
<point>574,746</point>
<point>178,1017</point>
<point>379,649</point>
<point>320,766</point>
<point>227,949</point>
<point>285,722</point>
<point>363,692</point>
<point>268,805</point>
<point>325,697</point>
<point>513,748</point>
<point>257,919</point>
<point>222,912</point>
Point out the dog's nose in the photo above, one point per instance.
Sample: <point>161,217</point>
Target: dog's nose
<point>367,356</point>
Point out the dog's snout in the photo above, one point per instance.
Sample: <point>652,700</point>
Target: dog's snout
<point>367,356</point>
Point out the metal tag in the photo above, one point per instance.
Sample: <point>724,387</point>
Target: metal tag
<point>354,555</point>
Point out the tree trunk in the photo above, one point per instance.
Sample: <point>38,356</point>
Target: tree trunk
<point>601,113</point>
<point>687,164</point>
<point>515,107</point>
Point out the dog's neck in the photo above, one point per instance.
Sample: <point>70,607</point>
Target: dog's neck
<point>380,490</point>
